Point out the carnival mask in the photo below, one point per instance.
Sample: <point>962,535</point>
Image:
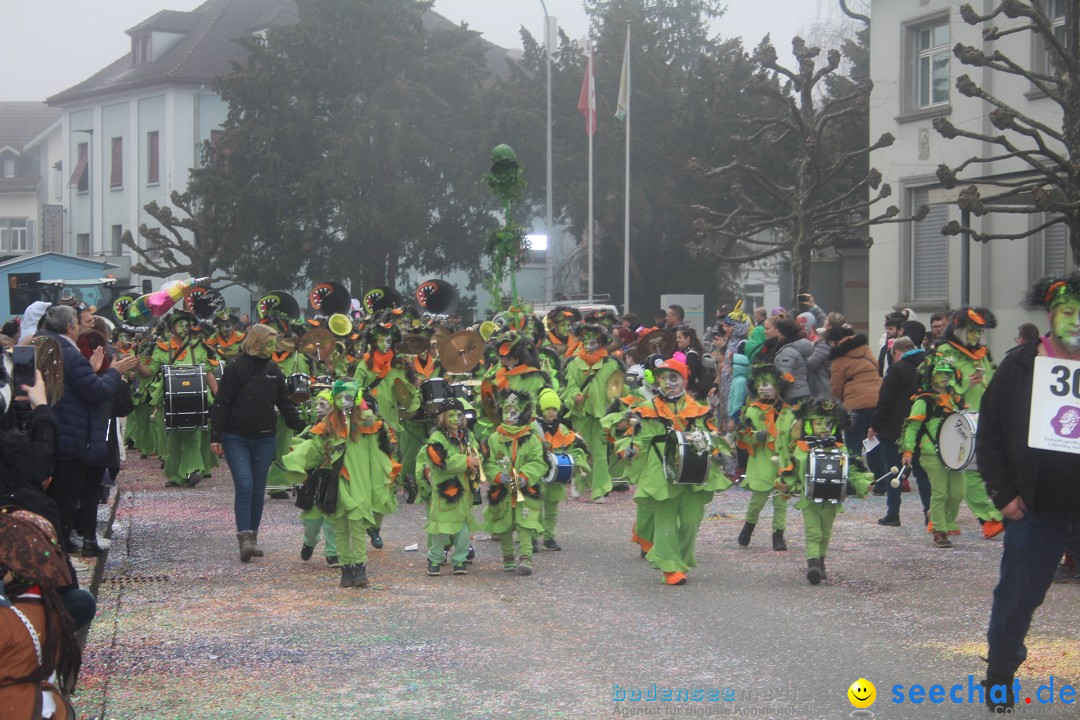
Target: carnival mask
<point>672,385</point>
<point>972,336</point>
<point>592,343</point>
<point>820,426</point>
<point>345,395</point>
<point>322,407</point>
<point>1065,324</point>
<point>511,414</point>
<point>454,418</point>
<point>767,392</point>
<point>383,342</point>
<point>180,328</point>
<point>508,361</point>
<point>941,380</point>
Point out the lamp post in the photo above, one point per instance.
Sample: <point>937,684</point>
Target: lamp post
<point>89,186</point>
<point>549,35</point>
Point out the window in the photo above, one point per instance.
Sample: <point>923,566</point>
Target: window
<point>117,233</point>
<point>80,179</point>
<point>932,64</point>
<point>1055,10</point>
<point>82,244</point>
<point>152,157</point>
<point>140,50</point>
<point>116,172</point>
<point>929,251</point>
<point>9,167</point>
<point>1052,256</point>
<point>18,235</point>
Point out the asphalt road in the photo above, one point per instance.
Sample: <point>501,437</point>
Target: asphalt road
<point>186,631</point>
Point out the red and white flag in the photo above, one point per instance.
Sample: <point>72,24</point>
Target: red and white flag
<point>587,99</point>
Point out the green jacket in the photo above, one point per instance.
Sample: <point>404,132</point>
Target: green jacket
<point>967,362</point>
<point>596,400</point>
<point>442,462</point>
<point>520,449</point>
<point>858,476</point>
<point>776,423</point>
<point>920,430</point>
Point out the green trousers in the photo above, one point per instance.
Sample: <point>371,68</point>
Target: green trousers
<point>599,479</point>
<point>757,502</point>
<point>311,534</point>
<point>183,454</point>
<point>351,536</point>
<point>675,529</point>
<point>976,498</point>
<point>947,489</point>
<point>506,542</point>
<point>644,523</point>
<point>460,541</point>
<point>554,493</point>
<point>817,523</point>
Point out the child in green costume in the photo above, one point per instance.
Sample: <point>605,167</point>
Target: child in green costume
<point>558,438</point>
<point>358,449</point>
<point>515,467</point>
<point>937,397</point>
<point>671,511</point>
<point>765,434</point>
<point>314,519</point>
<point>821,423</point>
<point>450,462</point>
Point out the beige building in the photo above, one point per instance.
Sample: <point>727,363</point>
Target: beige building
<point>914,73</point>
<point>31,216</point>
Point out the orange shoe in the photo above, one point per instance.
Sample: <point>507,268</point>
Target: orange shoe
<point>992,528</point>
<point>929,527</point>
<point>646,546</point>
<point>953,532</point>
<point>675,578</point>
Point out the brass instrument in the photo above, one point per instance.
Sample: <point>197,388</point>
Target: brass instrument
<point>473,475</point>
<point>511,481</point>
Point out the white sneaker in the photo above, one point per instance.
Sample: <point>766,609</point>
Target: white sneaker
<point>103,543</point>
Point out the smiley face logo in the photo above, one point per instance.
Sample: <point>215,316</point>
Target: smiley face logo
<point>862,693</point>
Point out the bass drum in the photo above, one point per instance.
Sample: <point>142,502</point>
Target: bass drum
<point>299,386</point>
<point>956,440</point>
<point>433,393</point>
<point>683,463</point>
<point>186,406</point>
<point>826,476</point>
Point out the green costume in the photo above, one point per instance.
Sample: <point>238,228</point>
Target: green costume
<point>669,514</point>
<point>450,519</point>
<point>514,451</point>
<point>276,481</point>
<point>588,376</point>
<point>186,452</point>
<point>919,435</point>
<point>765,434</point>
<point>818,517</point>
<point>560,439</point>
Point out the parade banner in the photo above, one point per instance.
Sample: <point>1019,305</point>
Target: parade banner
<point>1055,405</point>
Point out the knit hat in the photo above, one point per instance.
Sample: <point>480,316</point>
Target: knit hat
<point>673,364</point>
<point>549,399</point>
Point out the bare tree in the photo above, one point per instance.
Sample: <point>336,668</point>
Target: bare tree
<point>168,250</point>
<point>1050,151</point>
<point>822,194</point>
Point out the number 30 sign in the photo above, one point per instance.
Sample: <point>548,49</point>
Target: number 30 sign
<point>1055,405</point>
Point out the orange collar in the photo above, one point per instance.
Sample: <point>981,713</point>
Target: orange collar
<point>502,374</point>
<point>425,370</point>
<point>379,362</point>
<point>770,416</point>
<point>562,437</point>
<point>690,410</point>
<point>524,430</point>
<point>594,358</point>
<point>281,356</point>
<point>977,354</point>
<point>334,423</point>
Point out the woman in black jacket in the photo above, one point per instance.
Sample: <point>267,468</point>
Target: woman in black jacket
<point>243,428</point>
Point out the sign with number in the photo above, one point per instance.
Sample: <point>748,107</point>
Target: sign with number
<point>1055,405</point>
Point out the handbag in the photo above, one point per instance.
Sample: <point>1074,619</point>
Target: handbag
<point>320,488</point>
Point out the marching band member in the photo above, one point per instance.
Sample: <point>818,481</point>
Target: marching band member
<point>766,436</point>
<point>225,340</point>
<point>358,450</point>
<point>450,462</point>
<point>963,343</point>
<point>937,397</point>
<point>414,431</point>
<point>290,362</point>
<point>514,467</point>
<point>313,518</point>
<point>184,453</point>
<point>673,512</point>
<point>822,425</point>
<point>586,399</point>
<point>559,439</point>
<point>558,322</point>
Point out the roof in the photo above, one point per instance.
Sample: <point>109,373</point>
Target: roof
<point>58,257</point>
<point>21,122</point>
<point>208,49</point>
<point>206,52</point>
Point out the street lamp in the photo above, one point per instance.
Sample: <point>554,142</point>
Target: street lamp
<point>549,35</point>
<point>89,187</point>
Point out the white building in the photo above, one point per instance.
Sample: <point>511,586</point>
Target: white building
<point>132,132</point>
<point>914,73</point>
<point>29,145</point>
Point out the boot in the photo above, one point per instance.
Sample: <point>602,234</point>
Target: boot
<point>778,540</point>
<point>346,576</point>
<point>813,570</point>
<point>247,545</point>
<point>376,538</point>
<point>744,536</point>
<point>1000,705</point>
<point>360,575</point>
<point>941,540</point>
<point>256,552</point>
<point>821,562</point>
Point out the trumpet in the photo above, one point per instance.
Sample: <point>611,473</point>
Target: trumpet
<point>473,475</point>
<point>512,481</point>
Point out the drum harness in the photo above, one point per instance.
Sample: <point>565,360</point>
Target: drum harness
<point>934,410</point>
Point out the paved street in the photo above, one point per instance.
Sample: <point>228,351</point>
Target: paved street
<point>186,631</point>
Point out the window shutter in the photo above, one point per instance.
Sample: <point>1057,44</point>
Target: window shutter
<point>929,251</point>
<point>1055,250</point>
<point>116,175</point>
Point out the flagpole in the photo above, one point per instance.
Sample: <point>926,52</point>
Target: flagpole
<point>592,96</point>
<point>626,214</point>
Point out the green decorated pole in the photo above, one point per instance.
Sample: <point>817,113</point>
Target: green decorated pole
<point>505,246</point>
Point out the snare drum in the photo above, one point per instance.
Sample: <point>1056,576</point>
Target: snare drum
<point>463,390</point>
<point>956,440</point>
<point>561,468</point>
<point>826,476</point>
<point>184,391</point>
<point>299,385</point>
<point>683,464</point>
<point>433,393</point>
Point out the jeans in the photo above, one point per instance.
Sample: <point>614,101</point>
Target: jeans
<point>1033,547</point>
<point>856,433</point>
<point>890,453</point>
<point>249,462</point>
